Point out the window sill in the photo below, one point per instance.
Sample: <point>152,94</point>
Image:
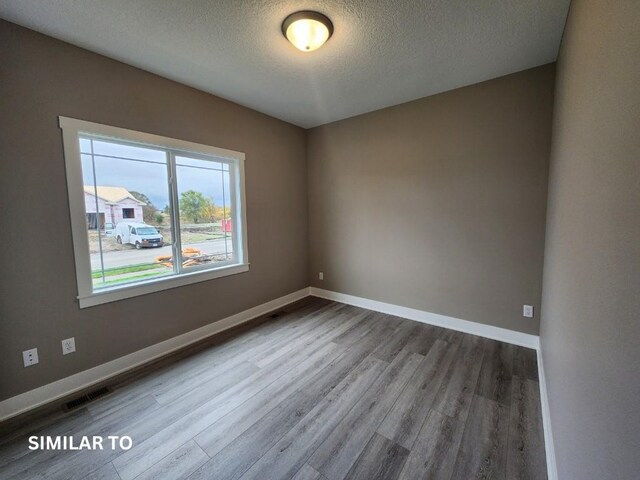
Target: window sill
<point>114,294</point>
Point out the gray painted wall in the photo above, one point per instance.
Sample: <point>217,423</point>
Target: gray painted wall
<point>42,78</point>
<point>590,332</point>
<point>438,204</point>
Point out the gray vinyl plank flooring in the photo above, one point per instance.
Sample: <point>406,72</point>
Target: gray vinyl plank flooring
<point>380,460</point>
<point>298,339</point>
<point>352,336</point>
<point>221,433</point>
<point>396,341</point>
<point>496,372</point>
<point>450,336</point>
<point>325,333</point>
<point>455,394</point>
<point>423,339</point>
<point>483,449</point>
<point>402,424</point>
<point>434,453</point>
<point>307,472</point>
<point>286,457</point>
<point>526,438</point>
<point>294,397</point>
<point>108,472</point>
<point>16,447</point>
<point>320,391</point>
<point>251,445</point>
<point>215,381</point>
<point>221,356</point>
<point>77,464</point>
<point>138,458</point>
<point>178,465</point>
<point>525,363</point>
<point>336,455</point>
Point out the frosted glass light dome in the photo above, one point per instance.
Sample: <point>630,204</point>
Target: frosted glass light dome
<point>307,30</point>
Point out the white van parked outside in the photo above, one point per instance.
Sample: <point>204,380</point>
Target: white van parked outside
<point>109,229</point>
<point>138,234</point>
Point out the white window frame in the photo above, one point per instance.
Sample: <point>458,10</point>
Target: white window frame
<point>72,129</point>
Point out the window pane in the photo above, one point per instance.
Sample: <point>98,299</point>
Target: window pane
<point>85,145</point>
<point>103,147</point>
<point>128,219</point>
<point>206,229</point>
<point>198,163</point>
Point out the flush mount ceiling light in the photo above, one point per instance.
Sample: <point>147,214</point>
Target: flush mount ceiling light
<point>307,30</point>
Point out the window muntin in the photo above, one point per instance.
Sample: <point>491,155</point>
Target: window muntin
<point>159,186</point>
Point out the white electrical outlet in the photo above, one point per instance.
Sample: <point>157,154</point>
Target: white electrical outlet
<point>30,357</point>
<point>321,276</point>
<point>527,311</point>
<point>68,345</point>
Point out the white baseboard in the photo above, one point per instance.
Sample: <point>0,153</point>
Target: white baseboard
<point>480,329</point>
<point>42,395</point>
<point>552,469</point>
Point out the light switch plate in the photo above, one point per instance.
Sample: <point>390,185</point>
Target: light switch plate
<point>527,311</point>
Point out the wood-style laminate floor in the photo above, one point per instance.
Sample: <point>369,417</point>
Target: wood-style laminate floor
<point>324,391</point>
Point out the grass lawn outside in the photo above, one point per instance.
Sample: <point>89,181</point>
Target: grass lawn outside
<point>141,267</point>
<point>121,279</point>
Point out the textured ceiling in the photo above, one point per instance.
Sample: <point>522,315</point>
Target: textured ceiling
<point>382,52</point>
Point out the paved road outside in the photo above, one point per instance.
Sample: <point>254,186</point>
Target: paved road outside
<point>148,255</point>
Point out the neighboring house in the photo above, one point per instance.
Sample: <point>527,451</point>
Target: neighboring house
<point>114,204</point>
